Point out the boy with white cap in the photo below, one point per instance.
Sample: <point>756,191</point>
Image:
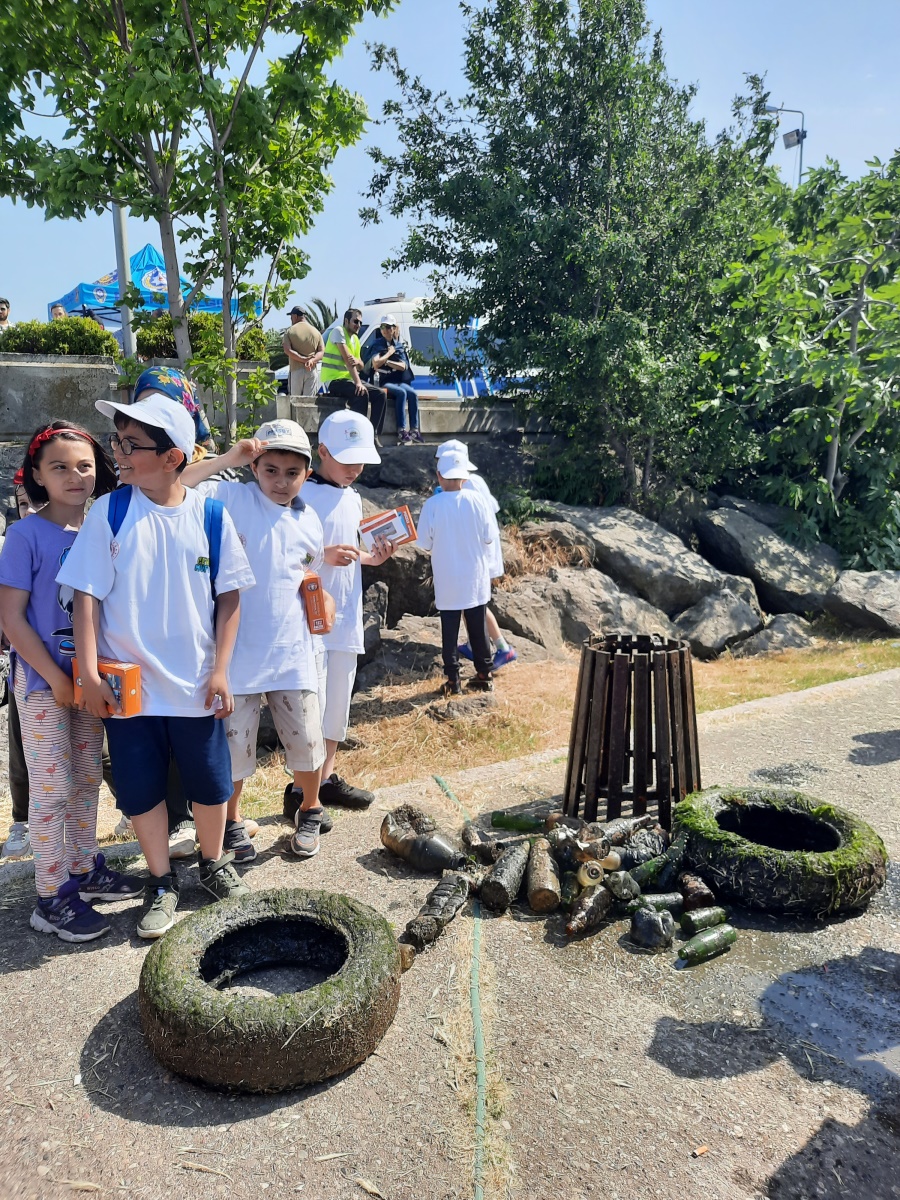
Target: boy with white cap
<point>346,444</point>
<point>456,527</point>
<point>273,656</point>
<point>157,573</point>
<point>504,653</point>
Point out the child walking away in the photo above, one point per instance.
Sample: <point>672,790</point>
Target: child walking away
<point>346,444</point>
<point>273,656</point>
<point>63,468</point>
<point>157,573</point>
<point>456,527</point>
<point>504,653</point>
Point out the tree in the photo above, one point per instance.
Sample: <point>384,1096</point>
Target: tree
<point>321,314</point>
<point>570,200</point>
<point>158,124</point>
<point>806,358</point>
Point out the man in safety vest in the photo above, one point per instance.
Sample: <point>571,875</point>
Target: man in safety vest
<point>341,365</point>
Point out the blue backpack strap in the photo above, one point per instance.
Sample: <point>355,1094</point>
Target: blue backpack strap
<point>118,507</point>
<point>212,527</point>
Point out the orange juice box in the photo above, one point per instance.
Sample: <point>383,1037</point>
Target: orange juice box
<point>313,599</point>
<point>124,679</point>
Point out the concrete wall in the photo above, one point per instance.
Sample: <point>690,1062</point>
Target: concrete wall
<point>38,388</point>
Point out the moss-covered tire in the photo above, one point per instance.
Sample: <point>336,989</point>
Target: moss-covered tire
<point>814,857</point>
<point>230,1040</point>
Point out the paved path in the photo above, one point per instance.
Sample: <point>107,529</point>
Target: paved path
<point>605,1068</point>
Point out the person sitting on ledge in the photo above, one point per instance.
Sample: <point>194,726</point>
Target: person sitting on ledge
<point>341,365</point>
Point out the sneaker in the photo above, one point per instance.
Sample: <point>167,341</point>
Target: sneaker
<point>293,798</point>
<point>124,828</point>
<point>451,687</point>
<point>238,843</point>
<point>305,842</point>
<point>503,657</point>
<point>220,879</point>
<point>465,651</point>
<point>416,438</point>
<point>67,915</point>
<point>335,790</point>
<point>480,683</point>
<point>159,916</point>
<point>183,840</point>
<point>403,438</point>
<point>102,883</point>
<point>18,844</point>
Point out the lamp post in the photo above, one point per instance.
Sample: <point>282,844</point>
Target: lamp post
<point>796,137</point>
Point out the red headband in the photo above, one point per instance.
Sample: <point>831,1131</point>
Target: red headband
<point>39,439</point>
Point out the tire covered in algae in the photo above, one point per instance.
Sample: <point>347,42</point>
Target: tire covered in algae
<point>780,850</point>
<point>247,1043</point>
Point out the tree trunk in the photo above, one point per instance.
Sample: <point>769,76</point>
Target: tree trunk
<point>173,287</point>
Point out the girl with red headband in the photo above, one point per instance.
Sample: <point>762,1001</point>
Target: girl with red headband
<point>64,466</point>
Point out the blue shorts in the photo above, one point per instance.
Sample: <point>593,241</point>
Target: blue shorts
<point>139,749</point>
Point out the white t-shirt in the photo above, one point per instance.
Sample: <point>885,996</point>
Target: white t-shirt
<point>274,648</point>
<point>340,511</point>
<point>156,606</point>
<point>495,563</point>
<point>456,528</point>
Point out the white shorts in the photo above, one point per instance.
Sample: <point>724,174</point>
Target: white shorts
<point>297,723</point>
<point>337,672</point>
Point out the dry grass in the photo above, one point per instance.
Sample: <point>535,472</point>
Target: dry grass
<point>538,557</point>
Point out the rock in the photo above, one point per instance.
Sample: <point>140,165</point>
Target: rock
<point>513,561</point>
<point>868,599</point>
<point>462,707</point>
<point>787,578</point>
<point>376,599</point>
<point>773,515</point>
<point>644,557</point>
<point>717,622</point>
<point>571,603</point>
<point>556,533</point>
<point>745,590</point>
<point>377,500</point>
<point>784,632</point>
<point>407,574</point>
<point>681,512</point>
<point>375,605</point>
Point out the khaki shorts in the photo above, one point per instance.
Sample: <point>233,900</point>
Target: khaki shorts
<point>297,723</point>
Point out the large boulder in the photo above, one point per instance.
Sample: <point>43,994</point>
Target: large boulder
<point>561,534</point>
<point>869,599</point>
<point>717,622</point>
<point>407,574</point>
<point>570,603</point>
<point>787,631</point>
<point>380,499</point>
<point>787,578</point>
<point>643,557</point>
<point>772,515</point>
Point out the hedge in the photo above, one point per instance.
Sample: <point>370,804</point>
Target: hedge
<point>156,339</point>
<point>70,335</point>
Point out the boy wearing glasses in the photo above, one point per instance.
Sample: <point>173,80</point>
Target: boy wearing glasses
<point>341,365</point>
<point>151,592</point>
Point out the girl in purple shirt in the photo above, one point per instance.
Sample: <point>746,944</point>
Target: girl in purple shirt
<point>64,466</point>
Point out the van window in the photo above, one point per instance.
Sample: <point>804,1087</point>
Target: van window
<point>424,341</point>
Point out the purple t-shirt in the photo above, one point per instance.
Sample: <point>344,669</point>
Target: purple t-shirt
<point>33,552</point>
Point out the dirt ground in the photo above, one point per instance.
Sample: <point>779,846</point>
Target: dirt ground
<point>606,1068</point>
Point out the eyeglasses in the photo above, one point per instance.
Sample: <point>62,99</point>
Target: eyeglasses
<point>128,445</point>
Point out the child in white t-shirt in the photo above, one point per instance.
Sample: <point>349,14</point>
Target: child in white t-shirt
<point>273,656</point>
<point>504,653</point>
<point>346,444</point>
<point>456,527</point>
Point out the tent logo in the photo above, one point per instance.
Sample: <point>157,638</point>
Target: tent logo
<point>99,295</point>
<point>154,280</point>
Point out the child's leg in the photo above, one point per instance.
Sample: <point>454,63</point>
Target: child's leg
<point>45,730</point>
<point>299,727</point>
<point>493,627</point>
<point>340,674</point>
<point>86,740</point>
<point>139,755</point>
<point>476,624</point>
<point>200,746</point>
<point>449,634</point>
<point>241,729</point>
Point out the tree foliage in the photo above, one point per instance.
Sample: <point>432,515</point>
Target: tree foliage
<point>806,359</point>
<point>156,338</point>
<point>71,335</point>
<point>570,200</point>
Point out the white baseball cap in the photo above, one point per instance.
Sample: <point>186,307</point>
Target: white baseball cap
<point>454,446</point>
<point>388,320</point>
<point>454,465</point>
<point>282,434</point>
<point>160,411</point>
<point>349,437</point>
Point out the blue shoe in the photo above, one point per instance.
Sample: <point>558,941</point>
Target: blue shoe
<point>104,884</point>
<point>465,651</point>
<point>67,915</point>
<point>238,842</point>
<point>502,657</point>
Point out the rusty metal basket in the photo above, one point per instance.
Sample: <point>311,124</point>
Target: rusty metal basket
<point>634,729</point>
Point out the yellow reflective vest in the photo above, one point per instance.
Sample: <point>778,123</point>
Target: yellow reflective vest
<point>333,365</point>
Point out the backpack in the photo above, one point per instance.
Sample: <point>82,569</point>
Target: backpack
<point>120,499</point>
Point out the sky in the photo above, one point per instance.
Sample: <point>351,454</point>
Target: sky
<point>833,60</point>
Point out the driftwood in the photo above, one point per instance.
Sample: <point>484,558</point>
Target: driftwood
<point>544,891</point>
<point>501,886</point>
<point>439,909</point>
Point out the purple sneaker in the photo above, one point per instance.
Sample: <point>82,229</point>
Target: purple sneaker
<point>503,657</point>
<point>465,651</point>
<point>67,915</point>
<point>416,438</point>
<point>103,884</point>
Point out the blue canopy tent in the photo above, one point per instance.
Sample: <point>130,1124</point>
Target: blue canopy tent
<point>148,274</point>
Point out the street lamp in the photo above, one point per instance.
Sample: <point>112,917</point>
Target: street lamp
<point>796,137</point>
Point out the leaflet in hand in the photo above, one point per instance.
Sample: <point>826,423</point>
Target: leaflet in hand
<point>396,524</point>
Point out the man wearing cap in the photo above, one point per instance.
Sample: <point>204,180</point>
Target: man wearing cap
<point>340,371</point>
<point>304,347</point>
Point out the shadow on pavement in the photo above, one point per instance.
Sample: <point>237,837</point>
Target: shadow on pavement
<point>876,749</point>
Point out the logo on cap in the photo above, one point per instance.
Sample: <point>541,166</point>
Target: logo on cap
<point>351,434</point>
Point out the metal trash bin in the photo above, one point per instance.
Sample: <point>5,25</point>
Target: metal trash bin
<point>634,729</point>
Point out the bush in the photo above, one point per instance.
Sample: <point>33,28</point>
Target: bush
<point>71,335</point>
<point>155,338</point>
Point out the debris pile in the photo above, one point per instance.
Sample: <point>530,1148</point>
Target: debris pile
<point>595,872</point>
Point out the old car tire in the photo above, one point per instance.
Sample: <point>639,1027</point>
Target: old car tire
<point>267,1044</point>
<point>781,850</point>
